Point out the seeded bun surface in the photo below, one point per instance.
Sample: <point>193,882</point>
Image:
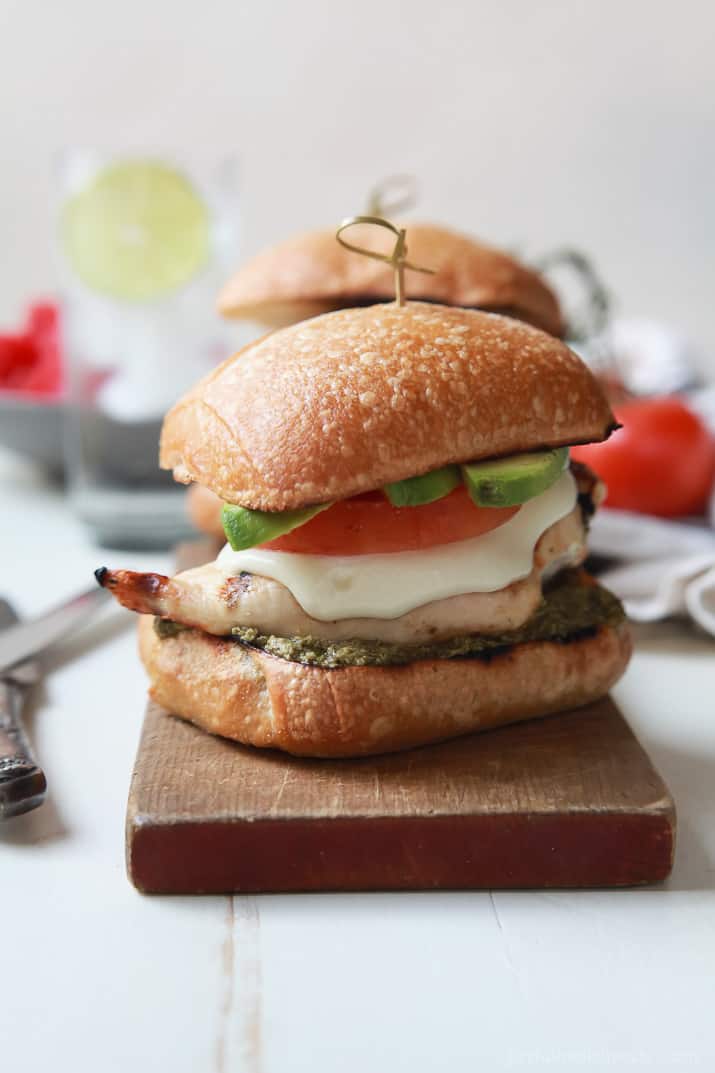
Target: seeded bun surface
<point>311,274</point>
<point>352,400</point>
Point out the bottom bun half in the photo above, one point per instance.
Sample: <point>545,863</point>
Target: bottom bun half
<point>259,699</point>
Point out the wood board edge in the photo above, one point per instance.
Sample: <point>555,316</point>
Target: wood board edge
<point>413,853</point>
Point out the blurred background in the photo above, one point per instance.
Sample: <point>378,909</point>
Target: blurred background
<point>534,127</point>
<point>529,124</point>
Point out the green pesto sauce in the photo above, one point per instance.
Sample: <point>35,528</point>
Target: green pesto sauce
<point>165,627</point>
<point>568,611</point>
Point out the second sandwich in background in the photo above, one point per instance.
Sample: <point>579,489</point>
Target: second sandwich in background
<point>309,274</point>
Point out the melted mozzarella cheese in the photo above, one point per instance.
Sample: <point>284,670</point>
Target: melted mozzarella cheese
<point>330,587</point>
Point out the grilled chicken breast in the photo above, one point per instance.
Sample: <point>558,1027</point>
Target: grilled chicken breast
<point>205,598</point>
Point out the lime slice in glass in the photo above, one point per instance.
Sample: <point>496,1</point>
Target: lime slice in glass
<point>137,231</point>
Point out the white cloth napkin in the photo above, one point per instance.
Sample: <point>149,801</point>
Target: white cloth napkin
<point>666,568</point>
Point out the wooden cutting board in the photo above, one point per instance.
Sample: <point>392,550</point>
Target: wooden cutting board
<point>567,801</point>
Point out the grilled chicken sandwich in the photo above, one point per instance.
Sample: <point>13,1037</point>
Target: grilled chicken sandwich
<point>311,274</point>
<point>405,536</point>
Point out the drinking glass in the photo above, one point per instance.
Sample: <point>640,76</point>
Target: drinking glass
<point>144,244</point>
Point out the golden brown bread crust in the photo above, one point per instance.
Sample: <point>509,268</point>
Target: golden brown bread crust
<point>349,401</point>
<point>204,509</point>
<point>311,273</point>
<point>258,699</point>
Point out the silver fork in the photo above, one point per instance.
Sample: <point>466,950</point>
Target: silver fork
<point>22,780</point>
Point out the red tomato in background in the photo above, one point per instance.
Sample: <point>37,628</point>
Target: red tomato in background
<point>31,360</point>
<point>17,356</point>
<point>661,462</point>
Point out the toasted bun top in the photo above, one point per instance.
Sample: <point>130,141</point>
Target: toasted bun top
<point>312,273</point>
<point>349,401</point>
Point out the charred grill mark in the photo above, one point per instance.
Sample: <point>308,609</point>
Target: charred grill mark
<point>137,591</point>
<point>234,588</point>
<point>586,481</point>
<point>587,507</point>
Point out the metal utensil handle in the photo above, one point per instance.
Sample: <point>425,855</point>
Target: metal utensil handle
<point>22,782</point>
<point>27,639</point>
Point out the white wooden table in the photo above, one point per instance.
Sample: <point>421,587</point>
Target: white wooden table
<point>95,977</point>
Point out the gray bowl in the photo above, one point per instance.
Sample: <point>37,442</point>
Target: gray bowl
<point>33,428</point>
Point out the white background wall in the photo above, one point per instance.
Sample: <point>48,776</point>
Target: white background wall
<point>532,122</point>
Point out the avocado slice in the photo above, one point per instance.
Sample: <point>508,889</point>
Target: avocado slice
<point>508,482</point>
<point>245,528</point>
<point>415,491</point>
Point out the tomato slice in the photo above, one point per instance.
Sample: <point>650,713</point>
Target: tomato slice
<point>369,525</point>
